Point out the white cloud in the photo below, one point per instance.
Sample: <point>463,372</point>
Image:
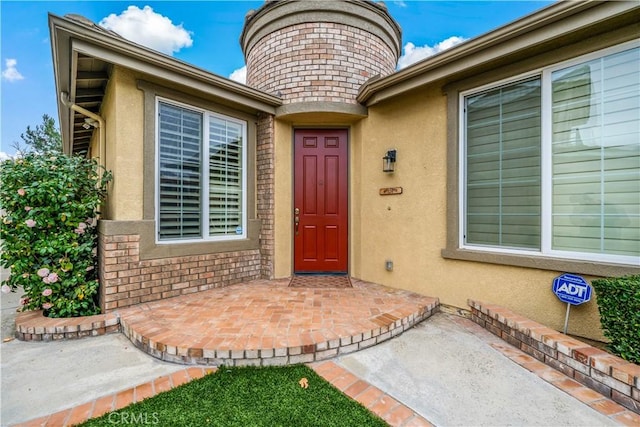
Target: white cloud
<point>148,28</point>
<point>413,53</point>
<point>400,3</point>
<point>10,72</point>
<point>239,75</point>
<point>5,156</point>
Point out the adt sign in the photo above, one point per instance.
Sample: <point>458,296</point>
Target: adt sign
<point>571,289</point>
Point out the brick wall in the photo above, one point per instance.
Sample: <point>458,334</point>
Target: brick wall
<point>265,164</point>
<point>317,62</point>
<point>603,372</point>
<point>127,280</point>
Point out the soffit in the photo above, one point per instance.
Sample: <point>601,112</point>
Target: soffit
<point>90,80</point>
<point>84,54</point>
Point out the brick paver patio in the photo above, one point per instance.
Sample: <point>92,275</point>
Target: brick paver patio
<point>268,323</point>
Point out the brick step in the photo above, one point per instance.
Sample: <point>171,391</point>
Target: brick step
<point>263,323</point>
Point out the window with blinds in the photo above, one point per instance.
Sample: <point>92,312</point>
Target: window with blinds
<point>225,177</point>
<point>180,159</point>
<point>596,155</point>
<point>579,124</point>
<point>200,196</point>
<point>503,166</point>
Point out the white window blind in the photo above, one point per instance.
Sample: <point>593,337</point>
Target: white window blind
<point>503,191</point>
<point>596,155</point>
<point>225,177</point>
<point>201,175</point>
<point>578,123</point>
<point>180,137</point>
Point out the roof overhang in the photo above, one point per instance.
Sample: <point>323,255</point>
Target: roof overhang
<point>561,23</point>
<point>84,53</point>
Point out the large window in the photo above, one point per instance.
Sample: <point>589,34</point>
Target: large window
<point>552,161</point>
<point>503,166</point>
<point>201,175</point>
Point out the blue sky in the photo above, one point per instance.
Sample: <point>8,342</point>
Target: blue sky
<point>202,33</point>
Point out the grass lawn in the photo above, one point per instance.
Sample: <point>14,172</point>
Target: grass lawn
<point>269,396</point>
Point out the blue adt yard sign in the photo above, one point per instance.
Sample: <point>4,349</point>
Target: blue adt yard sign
<point>571,289</point>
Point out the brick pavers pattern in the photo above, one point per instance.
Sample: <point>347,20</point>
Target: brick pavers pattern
<point>268,323</point>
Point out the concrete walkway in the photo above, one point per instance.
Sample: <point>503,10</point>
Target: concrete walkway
<point>446,371</point>
<point>40,378</point>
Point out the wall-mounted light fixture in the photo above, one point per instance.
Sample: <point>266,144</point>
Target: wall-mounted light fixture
<point>389,161</point>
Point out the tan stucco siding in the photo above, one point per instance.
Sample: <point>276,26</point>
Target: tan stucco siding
<point>410,229</point>
<point>94,146</point>
<point>123,112</point>
<point>355,198</point>
<point>407,228</point>
<point>283,258</point>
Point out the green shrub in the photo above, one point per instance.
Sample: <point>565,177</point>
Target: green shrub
<point>619,306</point>
<point>49,209</point>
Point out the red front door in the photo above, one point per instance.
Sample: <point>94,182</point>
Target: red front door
<point>320,201</point>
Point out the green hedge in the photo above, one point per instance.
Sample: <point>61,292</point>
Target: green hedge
<point>619,306</point>
<point>48,209</point>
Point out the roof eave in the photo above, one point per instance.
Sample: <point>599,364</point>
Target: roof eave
<point>61,77</point>
<point>458,58</point>
<point>123,48</point>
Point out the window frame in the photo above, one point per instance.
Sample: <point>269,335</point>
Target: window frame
<point>545,251</point>
<point>204,176</point>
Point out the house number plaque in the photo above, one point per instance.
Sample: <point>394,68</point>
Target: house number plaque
<point>390,191</point>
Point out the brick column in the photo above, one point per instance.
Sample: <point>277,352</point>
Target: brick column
<point>265,164</point>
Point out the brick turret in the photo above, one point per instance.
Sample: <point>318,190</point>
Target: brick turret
<point>319,53</point>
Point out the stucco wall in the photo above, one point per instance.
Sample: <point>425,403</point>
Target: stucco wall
<point>410,229</point>
<point>122,110</point>
<point>283,137</point>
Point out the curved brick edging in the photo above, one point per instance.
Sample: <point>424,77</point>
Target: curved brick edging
<point>265,323</point>
<point>603,372</point>
<point>309,352</point>
<point>34,326</point>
